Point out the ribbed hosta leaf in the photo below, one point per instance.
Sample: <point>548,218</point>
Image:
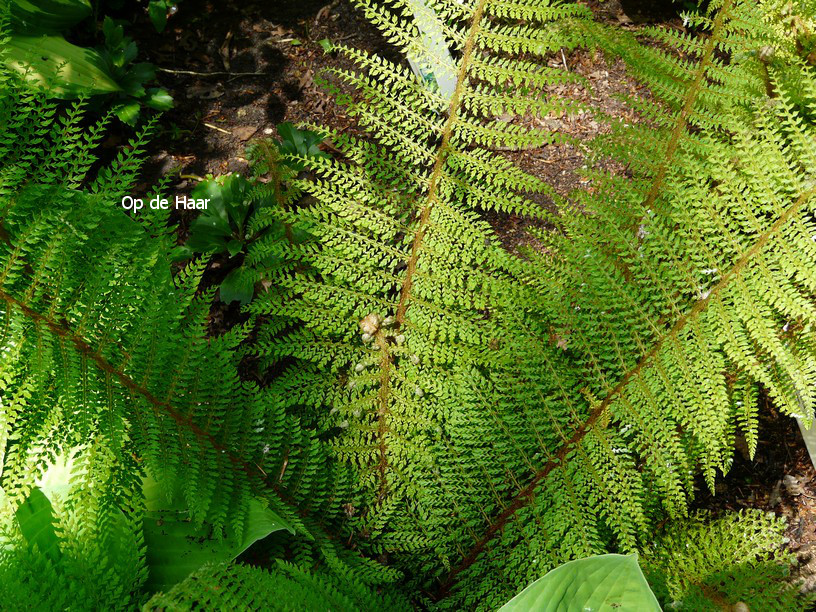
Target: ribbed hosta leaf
<point>176,546</point>
<point>57,66</point>
<point>604,582</point>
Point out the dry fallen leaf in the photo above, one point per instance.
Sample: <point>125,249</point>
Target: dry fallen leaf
<point>244,132</point>
<point>623,18</point>
<point>792,485</point>
<point>208,92</point>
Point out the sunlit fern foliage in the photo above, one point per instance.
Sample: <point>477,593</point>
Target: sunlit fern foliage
<point>506,414</point>
<point>465,417</point>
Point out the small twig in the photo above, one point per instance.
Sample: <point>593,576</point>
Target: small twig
<point>564,58</point>
<point>215,127</point>
<point>225,50</point>
<point>527,147</point>
<point>207,74</point>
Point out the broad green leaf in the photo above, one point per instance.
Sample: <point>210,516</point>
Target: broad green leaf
<point>36,519</point>
<point>159,99</point>
<point>181,253</point>
<point>209,234</point>
<point>228,195</point>
<point>176,547</point>
<point>65,70</point>
<point>228,207</point>
<point>128,112</point>
<point>300,143</point>
<point>237,287</point>
<point>234,247</point>
<point>114,34</point>
<point>290,134</point>
<point>605,583</point>
<point>157,9</point>
<point>47,16</point>
<point>138,74</point>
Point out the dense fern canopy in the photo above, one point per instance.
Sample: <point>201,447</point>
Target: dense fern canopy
<point>445,420</point>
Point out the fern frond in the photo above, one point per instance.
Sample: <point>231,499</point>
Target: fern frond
<point>286,587</point>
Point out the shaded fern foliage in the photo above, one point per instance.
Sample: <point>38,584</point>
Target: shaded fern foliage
<point>107,358</point>
<point>707,564</point>
<point>287,587</point>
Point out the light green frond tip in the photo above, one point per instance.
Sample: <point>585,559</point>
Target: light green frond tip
<point>603,583</point>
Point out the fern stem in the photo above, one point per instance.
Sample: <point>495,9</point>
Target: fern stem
<point>688,104</point>
<point>252,470</point>
<point>382,409</point>
<point>416,246</point>
<point>86,350</point>
<point>439,164</point>
<point>526,495</point>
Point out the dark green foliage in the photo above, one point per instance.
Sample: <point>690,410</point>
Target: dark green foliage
<point>712,564</point>
<point>158,9</point>
<point>105,357</point>
<point>36,520</point>
<point>119,53</point>
<point>246,217</point>
<point>47,16</point>
<point>37,50</point>
<point>296,145</point>
<point>286,587</point>
<point>221,228</point>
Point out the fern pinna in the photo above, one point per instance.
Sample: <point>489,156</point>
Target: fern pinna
<point>406,321</point>
<point>464,417</point>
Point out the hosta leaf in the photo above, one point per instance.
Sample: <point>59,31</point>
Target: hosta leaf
<point>176,547</point>
<point>604,583</point>
<point>65,70</point>
<point>47,16</point>
<point>238,286</point>
<point>36,519</point>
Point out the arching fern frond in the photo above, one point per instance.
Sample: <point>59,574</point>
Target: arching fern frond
<point>285,587</point>
<point>107,356</point>
<point>676,286</point>
<point>501,409</point>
